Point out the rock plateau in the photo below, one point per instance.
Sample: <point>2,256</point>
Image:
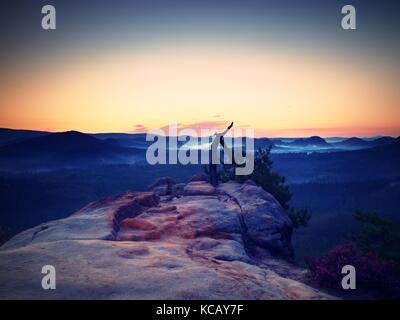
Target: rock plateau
<point>177,241</point>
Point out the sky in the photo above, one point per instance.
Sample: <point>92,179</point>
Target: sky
<point>283,68</point>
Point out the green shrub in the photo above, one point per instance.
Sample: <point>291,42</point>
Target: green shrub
<point>300,218</point>
<point>377,235</point>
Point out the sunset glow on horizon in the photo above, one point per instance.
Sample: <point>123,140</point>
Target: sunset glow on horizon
<point>276,89</point>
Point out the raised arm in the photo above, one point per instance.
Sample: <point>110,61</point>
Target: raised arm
<point>227,129</point>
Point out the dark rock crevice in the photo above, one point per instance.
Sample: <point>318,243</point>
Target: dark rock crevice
<point>42,228</point>
<point>138,204</point>
<point>248,243</point>
<point>127,211</point>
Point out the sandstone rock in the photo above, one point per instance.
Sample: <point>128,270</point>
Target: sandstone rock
<point>208,243</point>
<point>198,177</point>
<point>251,182</point>
<point>200,188</point>
<point>162,190</point>
<point>162,181</point>
<point>162,186</point>
<point>177,189</point>
<point>267,224</point>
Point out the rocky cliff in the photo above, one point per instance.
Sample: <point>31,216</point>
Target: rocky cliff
<point>178,241</point>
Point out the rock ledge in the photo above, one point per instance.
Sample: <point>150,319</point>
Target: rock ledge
<point>178,241</point>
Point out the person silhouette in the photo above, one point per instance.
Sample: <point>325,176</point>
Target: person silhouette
<point>218,139</point>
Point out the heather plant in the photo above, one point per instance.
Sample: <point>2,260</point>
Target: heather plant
<point>374,252</point>
<point>372,273</point>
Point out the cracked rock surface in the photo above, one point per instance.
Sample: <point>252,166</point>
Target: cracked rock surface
<point>178,241</point>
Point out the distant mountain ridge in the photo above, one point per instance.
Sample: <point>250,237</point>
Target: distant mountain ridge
<point>380,161</point>
<point>311,141</point>
<point>103,144</point>
<point>354,141</point>
<point>363,144</point>
<point>58,143</point>
<point>10,136</point>
<point>69,148</point>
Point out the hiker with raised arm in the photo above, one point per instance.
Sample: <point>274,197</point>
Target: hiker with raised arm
<point>218,139</point>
